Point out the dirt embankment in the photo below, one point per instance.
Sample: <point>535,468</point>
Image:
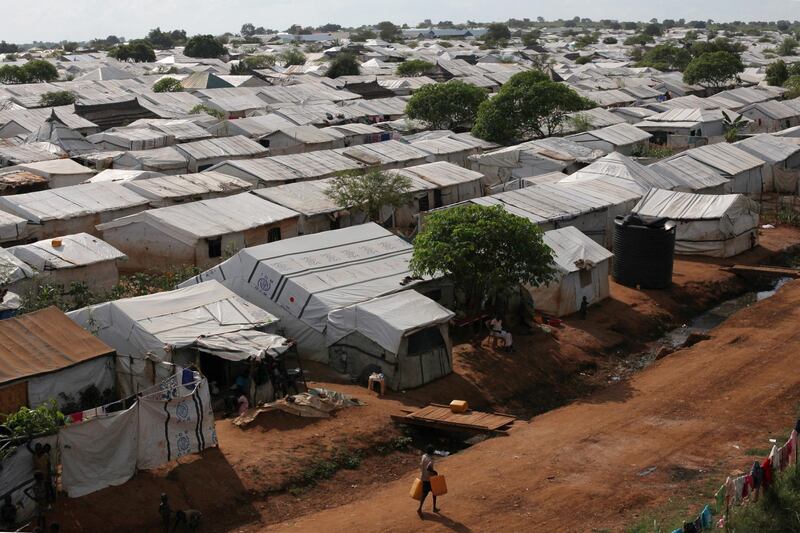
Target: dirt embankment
<point>242,485</point>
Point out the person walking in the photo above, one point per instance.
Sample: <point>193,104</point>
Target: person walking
<point>584,309</point>
<point>426,471</point>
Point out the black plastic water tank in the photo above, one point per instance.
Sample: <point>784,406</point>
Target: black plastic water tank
<point>643,252</point>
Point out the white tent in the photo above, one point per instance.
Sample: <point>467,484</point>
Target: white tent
<point>404,335</point>
<point>170,326</point>
<point>302,280</point>
<point>716,226</point>
<point>73,258</point>
<point>582,268</point>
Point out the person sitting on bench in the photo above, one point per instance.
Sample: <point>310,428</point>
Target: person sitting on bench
<point>496,330</point>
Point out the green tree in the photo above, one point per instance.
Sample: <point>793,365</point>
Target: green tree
<point>291,56</point>
<point>531,38</point>
<point>362,34</point>
<point>12,74</point>
<point>713,69</point>
<point>777,73</point>
<point>414,67</point>
<point>8,48</point>
<point>792,86</point>
<point>208,110</point>
<point>610,40</point>
<point>652,30</point>
<point>57,98</point>
<point>640,39</point>
<point>165,40</point>
<point>484,251</point>
<point>39,71</point>
<point>388,31</point>
<point>247,30</point>
<point>167,85</point>
<point>251,63</point>
<point>69,46</point>
<point>497,32</point>
<point>204,46</point>
<point>529,105</point>
<point>446,105</point>
<point>666,57</point>
<point>720,44</point>
<point>787,47</point>
<point>732,125</point>
<point>137,51</point>
<point>370,191</point>
<point>343,65</point>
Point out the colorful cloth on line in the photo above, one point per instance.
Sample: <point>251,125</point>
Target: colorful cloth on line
<point>720,499</point>
<point>705,517</point>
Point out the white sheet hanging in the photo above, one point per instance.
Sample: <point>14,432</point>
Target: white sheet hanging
<point>99,453</point>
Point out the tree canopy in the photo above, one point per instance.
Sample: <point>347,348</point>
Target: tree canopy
<point>137,51</point>
<point>777,73</point>
<point>57,98</point>
<point>370,191</point>
<point>787,47</point>
<point>529,105</point>
<point>250,63</point>
<point>483,250</point>
<point>35,71</point>
<point>713,69</point>
<point>388,31</point>
<point>666,57</point>
<point>497,32</point>
<point>291,56</point>
<point>446,105</point>
<point>414,67</point>
<point>204,46</point>
<point>167,85</point>
<point>343,65</point>
<point>640,39</point>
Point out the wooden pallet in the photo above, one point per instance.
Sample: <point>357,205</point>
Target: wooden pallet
<point>441,417</point>
<point>763,270</point>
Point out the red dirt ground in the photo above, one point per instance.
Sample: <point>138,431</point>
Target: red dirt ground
<point>691,416</point>
<point>241,486</point>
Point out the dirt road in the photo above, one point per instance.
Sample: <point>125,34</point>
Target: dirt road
<point>693,416</point>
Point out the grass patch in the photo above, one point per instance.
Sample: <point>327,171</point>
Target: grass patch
<point>757,452</point>
<point>776,511</point>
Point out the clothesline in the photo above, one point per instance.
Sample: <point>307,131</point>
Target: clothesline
<point>166,389</point>
<point>740,489</point>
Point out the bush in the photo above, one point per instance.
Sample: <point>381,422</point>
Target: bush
<point>446,105</point>
<point>137,51</point>
<point>27,423</point>
<point>775,511</point>
<point>610,40</point>
<point>640,39</point>
<point>167,85</point>
<point>343,65</point>
<point>57,98</point>
<point>414,67</point>
<point>291,56</point>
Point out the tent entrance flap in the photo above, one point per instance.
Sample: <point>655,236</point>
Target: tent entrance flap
<point>243,345</point>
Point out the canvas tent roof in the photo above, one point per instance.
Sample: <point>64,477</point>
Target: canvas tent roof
<point>192,221</point>
<point>724,157</point>
<point>618,135</point>
<point>71,202</point>
<point>386,320</point>
<point>54,131</point>
<point>571,249</point>
<point>237,146</point>
<point>695,175</point>
<point>162,188</point>
<point>161,159</point>
<point>306,197</point>
<point>442,173</point>
<point>682,206</point>
<point>618,168</point>
<point>12,227</point>
<point>307,277</point>
<point>13,269</point>
<point>76,250</point>
<point>768,148</point>
<point>42,342</point>
<point>114,174</point>
<point>203,315</point>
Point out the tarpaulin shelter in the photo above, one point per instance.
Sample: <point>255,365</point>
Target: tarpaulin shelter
<point>198,233</point>
<point>582,268</point>
<point>175,326</point>
<point>713,225</point>
<point>302,280</point>
<point>79,258</point>
<point>405,336</point>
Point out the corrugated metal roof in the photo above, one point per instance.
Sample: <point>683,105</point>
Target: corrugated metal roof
<point>42,342</point>
<point>769,148</point>
<point>725,157</point>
